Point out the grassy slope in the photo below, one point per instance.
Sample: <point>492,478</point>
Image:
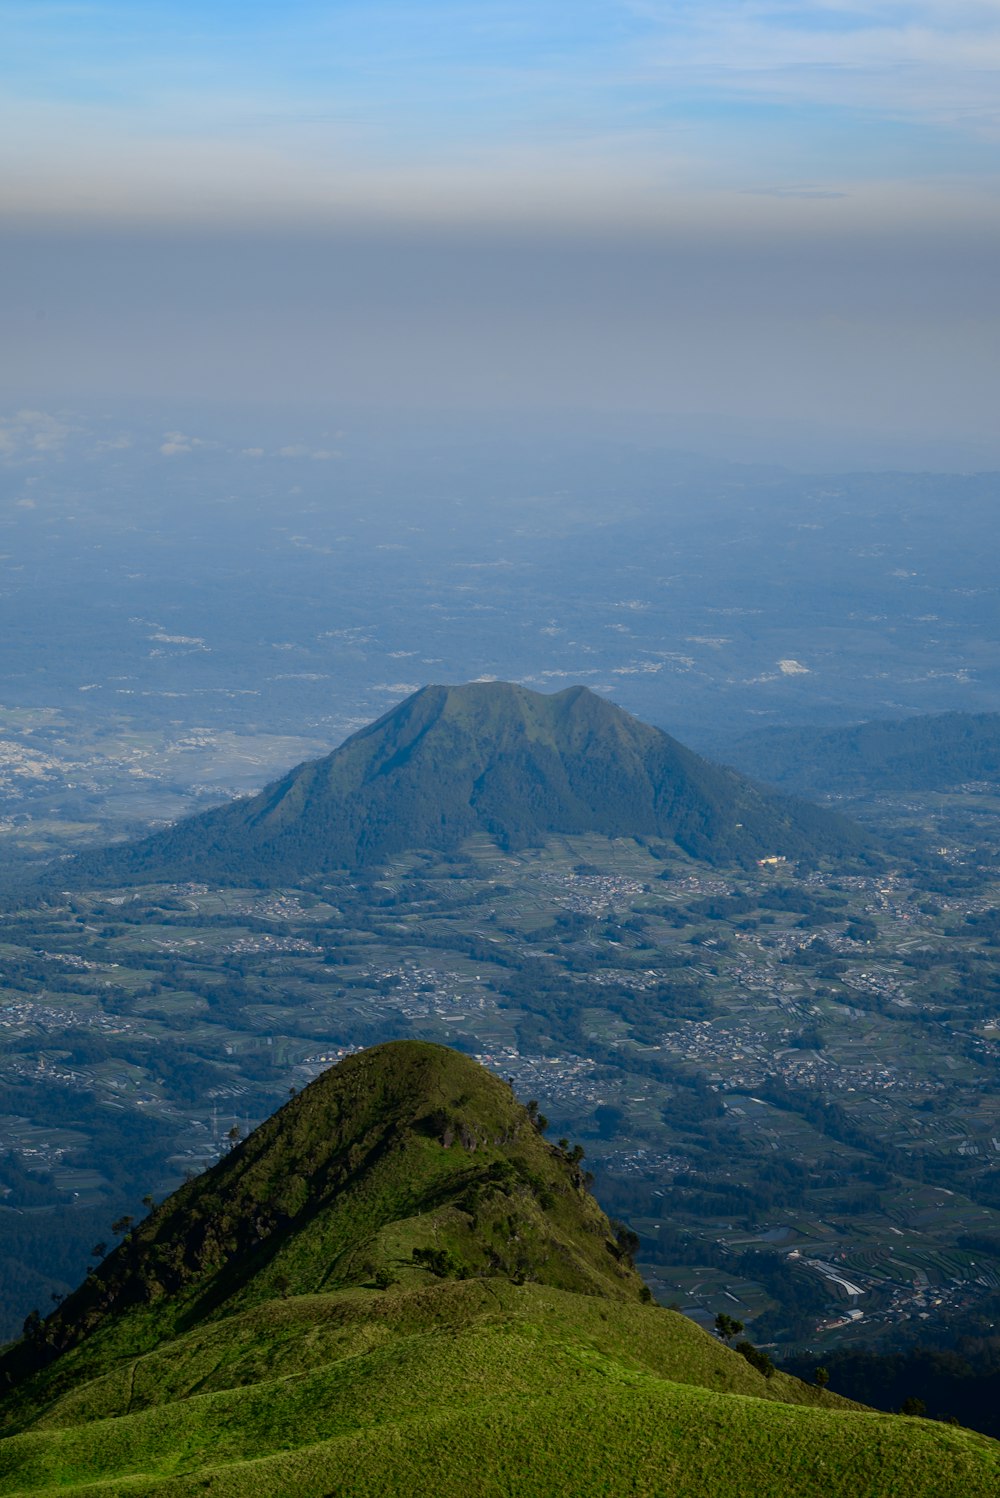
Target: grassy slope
<point>226,1383</point>
<point>475,1387</point>
<point>404,1145</point>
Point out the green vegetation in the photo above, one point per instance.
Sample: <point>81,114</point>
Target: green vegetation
<point>928,752</point>
<point>314,1199</point>
<point>396,1287</point>
<point>958,1382</point>
<point>452,762</point>
<point>774,1069</point>
<point>756,1062</point>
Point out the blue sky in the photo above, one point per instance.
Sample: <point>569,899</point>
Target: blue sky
<point>185,107</point>
<point>742,211</point>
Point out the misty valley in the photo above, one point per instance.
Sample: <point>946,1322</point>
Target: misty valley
<point>768,1018</point>
<point>499,750</point>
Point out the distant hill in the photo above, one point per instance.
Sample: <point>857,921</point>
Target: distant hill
<point>926,753</point>
<point>488,758</point>
<point>396,1287</point>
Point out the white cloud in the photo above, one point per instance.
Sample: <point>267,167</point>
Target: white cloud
<point>296,450</point>
<point>175,443</point>
<point>618,120</point>
<point>925,61</point>
<point>31,435</point>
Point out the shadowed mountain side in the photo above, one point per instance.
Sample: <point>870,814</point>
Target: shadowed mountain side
<point>930,752</point>
<point>396,1289</point>
<point>488,758</point>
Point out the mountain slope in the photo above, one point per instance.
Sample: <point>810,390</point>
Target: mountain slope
<point>242,1341</point>
<point>488,758</point>
<point>930,752</point>
<point>316,1195</point>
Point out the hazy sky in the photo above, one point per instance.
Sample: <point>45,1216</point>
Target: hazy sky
<point>762,213</point>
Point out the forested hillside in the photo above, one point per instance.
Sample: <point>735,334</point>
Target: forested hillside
<point>488,758</point>
<point>930,752</point>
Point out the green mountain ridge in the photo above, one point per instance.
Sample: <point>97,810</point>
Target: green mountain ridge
<point>397,1286</point>
<point>928,752</point>
<point>485,758</point>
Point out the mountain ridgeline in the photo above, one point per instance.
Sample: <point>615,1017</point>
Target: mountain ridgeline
<point>929,752</point>
<point>314,1197</point>
<point>486,758</point>
<point>395,1286</point>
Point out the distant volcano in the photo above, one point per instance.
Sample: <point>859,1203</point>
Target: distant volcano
<point>488,758</point>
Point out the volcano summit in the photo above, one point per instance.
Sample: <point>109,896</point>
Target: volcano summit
<point>486,758</point>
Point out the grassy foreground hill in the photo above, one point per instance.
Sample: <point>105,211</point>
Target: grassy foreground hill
<point>395,1286</point>
<point>487,757</point>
